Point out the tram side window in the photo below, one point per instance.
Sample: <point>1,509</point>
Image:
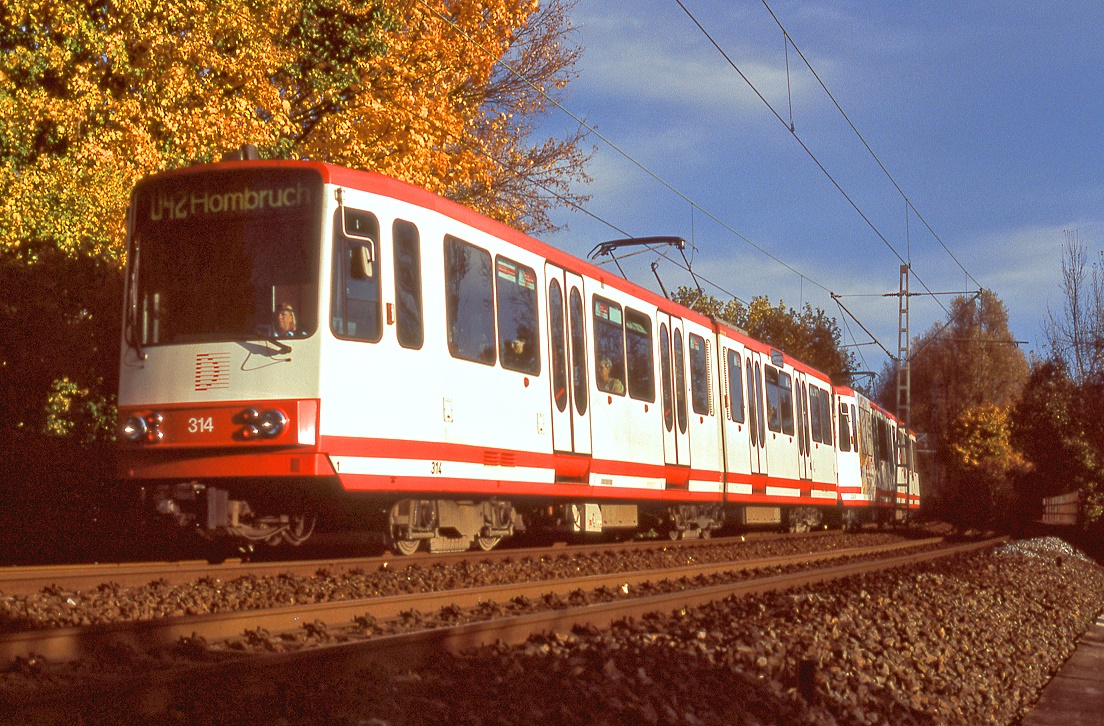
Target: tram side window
<point>469,301</point>
<point>855,426</point>
<point>817,401</point>
<point>759,414</point>
<point>735,387</point>
<point>785,386</point>
<point>814,415</point>
<point>845,428</point>
<point>699,374</point>
<point>665,377</point>
<point>559,345</point>
<point>680,382</point>
<point>774,414</point>
<point>408,284</point>
<point>883,440</point>
<point>826,416</point>
<point>879,439</point>
<point>801,412</point>
<point>641,360</point>
<point>517,316</point>
<point>609,346</point>
<point>356,310</point>
<point>578,350</point>
<point>755,405</point>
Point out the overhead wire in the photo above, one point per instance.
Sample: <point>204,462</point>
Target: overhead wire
<point>615,147</point>
<point>694,205</point>
<point>854,340</point>
<point>621,151</point>
<point>908,202</point>
<point>647,248</point>
<point>805,147</point>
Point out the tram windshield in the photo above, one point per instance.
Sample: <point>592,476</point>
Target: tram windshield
<point>225,255</point>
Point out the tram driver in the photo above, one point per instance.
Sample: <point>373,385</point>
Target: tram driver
<point>284,321</point>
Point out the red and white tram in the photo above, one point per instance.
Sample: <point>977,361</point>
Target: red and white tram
<point>301,338</point>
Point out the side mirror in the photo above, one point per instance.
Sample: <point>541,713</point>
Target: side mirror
<point>360,262</point>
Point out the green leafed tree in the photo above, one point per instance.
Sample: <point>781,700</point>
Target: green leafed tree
<point>1058,426</point>
<point>809,335</point>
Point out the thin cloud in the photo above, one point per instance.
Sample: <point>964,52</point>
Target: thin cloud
<point>681,70</point>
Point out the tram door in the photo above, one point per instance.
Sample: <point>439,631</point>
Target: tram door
<point>757,421</point>
<point>568,361</point>
<point>801,388</point>
<point>672,364</point>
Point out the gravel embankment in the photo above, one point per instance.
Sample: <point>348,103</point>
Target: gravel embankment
<point>964,641</point>
<point>967,640</point>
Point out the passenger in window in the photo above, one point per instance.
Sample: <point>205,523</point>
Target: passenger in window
<point>516,355</point>
<point>284,321</point>
<point>606,382</point>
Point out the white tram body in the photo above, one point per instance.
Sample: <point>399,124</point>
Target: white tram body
<point>456,377</point>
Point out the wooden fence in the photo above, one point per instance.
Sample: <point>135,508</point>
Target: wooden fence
<point>1062,510</point>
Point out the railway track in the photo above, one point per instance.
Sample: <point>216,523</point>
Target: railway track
<point>403,632</point>
<point>234,676</point>
<point>29,580</point>
<point>65,644</point>
<point>71,643</point>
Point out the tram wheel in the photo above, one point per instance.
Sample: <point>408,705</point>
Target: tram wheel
<point>407,546</point>
<point>487,543</point>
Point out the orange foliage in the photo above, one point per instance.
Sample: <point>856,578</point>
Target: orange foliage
<point>982,436</point>
<point>97,94</point>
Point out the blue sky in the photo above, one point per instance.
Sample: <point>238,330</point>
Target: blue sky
<point>988,116</point>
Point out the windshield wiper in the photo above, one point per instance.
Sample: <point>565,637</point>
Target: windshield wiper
<point>130,332</point>
<point>281,347</point>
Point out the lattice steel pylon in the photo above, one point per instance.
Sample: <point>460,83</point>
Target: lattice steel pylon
<point>904,401</point>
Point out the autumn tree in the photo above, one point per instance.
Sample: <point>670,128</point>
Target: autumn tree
<point>1076,334</point>
<point>522,180</point>
<point>731,311</point>
<point>960,367</point>
<point>967,360</point>
<point>96,94</point>
<point>809,335</point>
<point>984,465</point>
<point>1057,425</point>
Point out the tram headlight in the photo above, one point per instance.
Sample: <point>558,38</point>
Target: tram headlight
<point>273,422</point>
<point>134,429</point>
<point>267,424</point>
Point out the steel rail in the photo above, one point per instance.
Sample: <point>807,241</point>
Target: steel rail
<point>236,677</point>
<point>30,580</point>
<point>73,643</point>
